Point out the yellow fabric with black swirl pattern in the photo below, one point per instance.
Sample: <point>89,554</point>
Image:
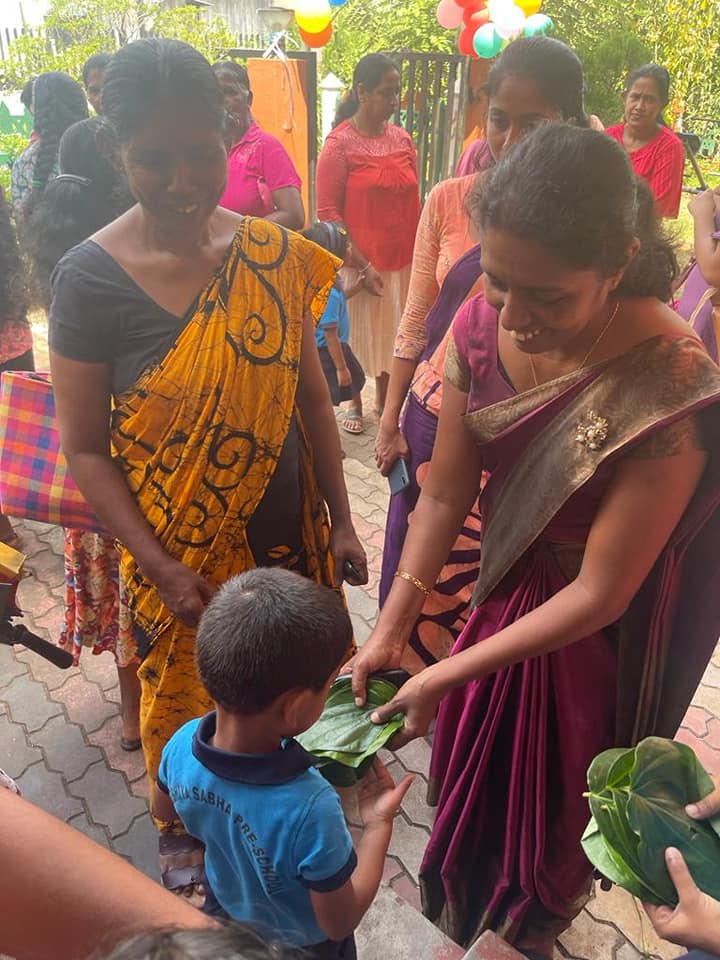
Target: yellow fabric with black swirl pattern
<point>198,439</point>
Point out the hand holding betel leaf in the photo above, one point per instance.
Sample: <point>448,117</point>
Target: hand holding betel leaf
<point>345,739</point>
<point>637,799</point>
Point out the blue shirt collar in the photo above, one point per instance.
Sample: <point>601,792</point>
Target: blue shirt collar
<point>280,766</point>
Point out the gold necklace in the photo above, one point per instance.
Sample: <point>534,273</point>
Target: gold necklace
<point>590,352</point>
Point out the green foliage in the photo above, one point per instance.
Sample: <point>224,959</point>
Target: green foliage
<point>11,146</point>
<point>637,799</point>
<point>75,29</point>
<point>211,37</point>
<point>367,26</point>
<point>617,35</point>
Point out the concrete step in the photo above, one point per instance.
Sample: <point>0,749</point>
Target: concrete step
<point>393,928</point>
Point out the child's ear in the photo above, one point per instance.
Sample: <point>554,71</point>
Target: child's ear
<point>295,706</point>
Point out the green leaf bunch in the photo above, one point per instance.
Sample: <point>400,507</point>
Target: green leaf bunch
<point>637,799</point>
<point>344,738</point>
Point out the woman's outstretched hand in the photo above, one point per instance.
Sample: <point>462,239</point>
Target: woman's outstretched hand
<point>418,702</point>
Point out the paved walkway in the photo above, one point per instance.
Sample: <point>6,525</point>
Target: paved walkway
<point>60,732</point>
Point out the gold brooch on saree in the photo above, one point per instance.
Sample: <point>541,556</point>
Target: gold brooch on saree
<point>592,431</point>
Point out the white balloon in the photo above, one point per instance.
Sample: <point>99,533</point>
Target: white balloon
<point>510,22</point>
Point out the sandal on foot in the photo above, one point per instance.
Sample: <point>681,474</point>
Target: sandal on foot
<point>352,422</point>
<point>182,866</point>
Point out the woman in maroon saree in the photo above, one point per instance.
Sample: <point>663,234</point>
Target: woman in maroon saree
<point>592,407</point>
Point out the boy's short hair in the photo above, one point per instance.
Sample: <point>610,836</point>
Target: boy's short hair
<point>268,631</point>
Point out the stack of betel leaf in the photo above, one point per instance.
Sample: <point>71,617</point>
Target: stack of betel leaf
<point>345,739</point>
<point>637,799</point>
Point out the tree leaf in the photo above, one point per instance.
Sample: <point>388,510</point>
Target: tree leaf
<point>602,856</point>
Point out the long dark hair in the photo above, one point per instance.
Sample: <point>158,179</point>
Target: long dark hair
<point>660,77</point>
<point>59,101</point>
<point>552,66</point>
<point>574,192</point>
<point>86,196</point>
<point>13,280</point>
<point>148,75</point>
<point>369,72</point>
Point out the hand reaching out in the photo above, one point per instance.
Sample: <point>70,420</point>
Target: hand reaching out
<point>379,799</point>
<point>695,922</point>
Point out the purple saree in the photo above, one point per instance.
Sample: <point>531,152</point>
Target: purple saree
<point>697,302</point>
<point>445,613</point>
<point>511,749</point>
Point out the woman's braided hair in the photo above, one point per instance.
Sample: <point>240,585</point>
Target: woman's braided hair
<point>59,102</point>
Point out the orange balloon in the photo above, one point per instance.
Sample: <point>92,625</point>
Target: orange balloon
<point>529,7</point>
<point>316,40</point>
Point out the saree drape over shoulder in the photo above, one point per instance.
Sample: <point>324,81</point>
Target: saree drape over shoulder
<point>199,439</point>
<point>511,749</point>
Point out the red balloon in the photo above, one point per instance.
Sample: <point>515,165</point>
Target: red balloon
<point>466,3</point>
<point>316,40</point>
<point>470,12</point>
<point>477,19</point>
<point>465,43</point>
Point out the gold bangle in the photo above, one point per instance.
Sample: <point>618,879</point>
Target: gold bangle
<point>404,575</point>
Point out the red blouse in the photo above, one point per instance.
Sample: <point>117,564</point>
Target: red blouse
<point>661,162</point>
<point>371,185</point>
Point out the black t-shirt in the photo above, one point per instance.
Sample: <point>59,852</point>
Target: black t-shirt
<point>98,314</point>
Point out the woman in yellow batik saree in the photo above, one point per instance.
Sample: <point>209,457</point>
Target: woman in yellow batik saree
<point>197,326</point>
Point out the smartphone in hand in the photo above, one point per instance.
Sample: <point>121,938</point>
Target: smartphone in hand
<point>399,477</point>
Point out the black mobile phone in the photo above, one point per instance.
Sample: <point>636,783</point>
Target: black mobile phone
<point>351,574</point>
<point>399,477</point>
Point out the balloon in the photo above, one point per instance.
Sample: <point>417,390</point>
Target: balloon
<point>537,23</point>
<point>449,14</point>
<point>478,19</point>
<point>469,12</point>
<point>529,7</point>
<point>339,3</point>
<point>466,3</point>
<point>509,22</point>
<point>316,40</point>
<point>313,16</point>
<point>487,42</point>
<point>465,43</point>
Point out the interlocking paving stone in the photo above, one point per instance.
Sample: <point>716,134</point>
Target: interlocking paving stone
<point>108,798</point>
<point>17,755</point>
<point>47,568</point>
<point>408,844</point>
<point>65,749</point>
<point>10,667</point>
<point>414,805</point>
<point>619,907</point>
<point>42,670</point>
<point>28,703</point>
<point>108,739</point>
<point>361,630</point>
<point>92,830</point>
<point>415,756</point>
<point>587,939</point>
<point>39,785</point>
<point>100,669</point>
<point>361,604</point>
<point>140,846</point>
<point>34,597</point>
<point>84,702</point>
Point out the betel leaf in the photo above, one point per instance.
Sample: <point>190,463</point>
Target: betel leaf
<point>606,860</point>
<point>344,733</point>
<point>638,799</point>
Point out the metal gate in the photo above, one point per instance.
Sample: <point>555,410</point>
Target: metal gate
<point>432,109</point>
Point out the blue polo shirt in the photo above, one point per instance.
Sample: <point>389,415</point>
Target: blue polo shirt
<point>273,829</point>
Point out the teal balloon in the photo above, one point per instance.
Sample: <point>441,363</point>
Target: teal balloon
<point>487,42</point>
<point>338,3</point>
<point>537,23</point>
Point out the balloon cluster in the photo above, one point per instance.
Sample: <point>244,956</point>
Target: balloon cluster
<point>314,20</point>
<point>486,26</point>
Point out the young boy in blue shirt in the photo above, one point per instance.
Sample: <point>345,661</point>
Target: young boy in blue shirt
<point>345,377</point>
<point>278,854</point>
